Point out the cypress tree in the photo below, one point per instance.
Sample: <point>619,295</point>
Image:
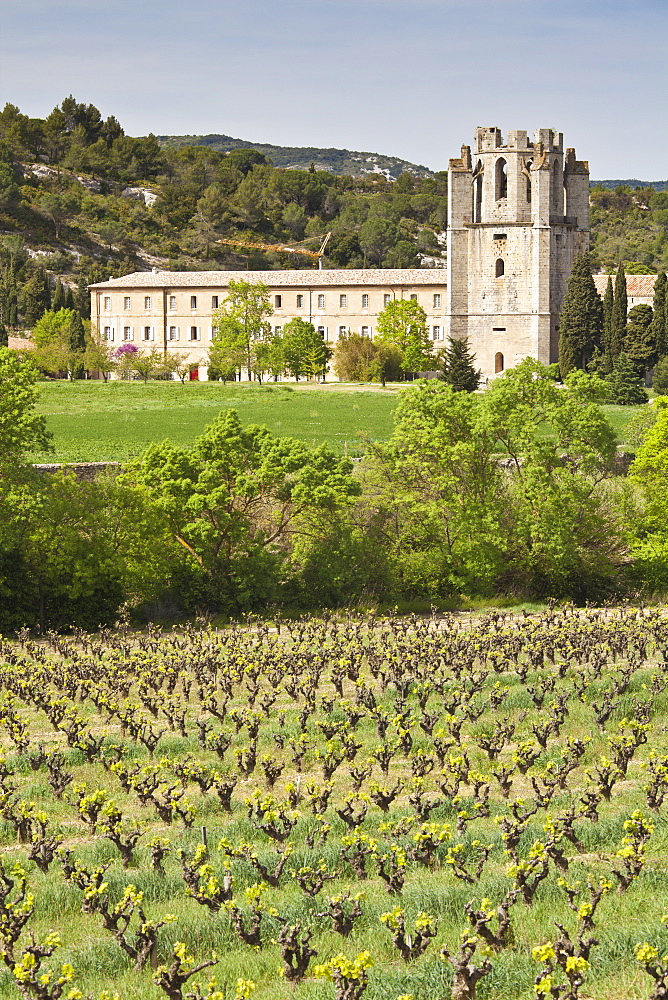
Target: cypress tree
<point>58,300</point>
<point>33,307</point>
<point>625,384</point>
<point>619,311</point>
<point>46,292</point>
<point>69,298</point>
<point>4,339</point>
<point>660,315</point>
<point>608,301</point>
<point>581,321</point>
<point>459,370</point>
<point>76,341</point>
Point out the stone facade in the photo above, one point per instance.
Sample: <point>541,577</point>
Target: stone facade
<point>518,214</point>
<point>173,310</point>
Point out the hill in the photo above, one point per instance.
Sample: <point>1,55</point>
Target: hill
<point>335,161</point>
<point>632,183</point>
<point>81,201</point>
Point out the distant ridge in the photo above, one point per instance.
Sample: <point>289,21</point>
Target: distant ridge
<point>632,183</point>
<point>336,161</point>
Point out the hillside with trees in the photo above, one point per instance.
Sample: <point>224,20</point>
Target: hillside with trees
<point>82,201</point>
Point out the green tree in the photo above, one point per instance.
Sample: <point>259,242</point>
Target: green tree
<point>76,342</point>
<point>270,357</point>
<point>58,299</point>
<point>52,327</point>
<point>581,320</point>
<point>619,313</point>
<point>458,366</point>
<point>4,339</point>
<point>660,315</point>
<point>608,303</point>
<point>239,325</point>
<point>376,238</point>
<point>639,342</point>
<point>356,358</point>
<point>648,521</point>
<point>304,351</point>
<point>625,385</point>
<point>403,324</point>
<point>143,365</point>
<point>21,429</point>
<point>235,499</point>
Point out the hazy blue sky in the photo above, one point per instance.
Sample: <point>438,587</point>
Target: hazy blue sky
<point>407,77</point>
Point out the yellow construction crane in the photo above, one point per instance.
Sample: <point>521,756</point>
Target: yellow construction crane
<point>279,248</point>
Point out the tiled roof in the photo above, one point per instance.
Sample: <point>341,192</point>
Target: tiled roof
<point>389,277</point>
<point>637,285</point>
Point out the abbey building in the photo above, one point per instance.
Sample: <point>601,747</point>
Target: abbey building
<point>518,215</point>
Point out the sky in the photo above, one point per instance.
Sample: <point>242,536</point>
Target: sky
<point>409,78</point>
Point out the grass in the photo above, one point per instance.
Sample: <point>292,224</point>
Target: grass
<point>97,422</point>
<point>144,677</point>
<point>115,421</point>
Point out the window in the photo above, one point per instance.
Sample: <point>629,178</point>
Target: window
<point>194,333</point>
<point>528,167</point>
<point>365,302</point>
<point>173,333</point>
<point>107,302</point>
<point>322,330</point>
<point>343,301</point>
<point>172,301</point>
<point>106,335</point>
<point>343,331</point>
<point>477,192</point>
<point>437,301</point>
<point>300,301</point>
<point>214,301</point>
<point>501,179</point>
<point>147,302</point>
<point>278,301</point>
<point>436,333</point>
<point>500,236</point>
<point>498,363</point>
<point>147,333</point>
<point>365,331</point>
<point>193,302</point>
<point>277,329</point>
<point>500,268</point>
<point>321,302</point>
<point>386,299</point>
<point>127,333</point>
<point>498,329</point>
<point>126,302</point>
<point>413,297</point>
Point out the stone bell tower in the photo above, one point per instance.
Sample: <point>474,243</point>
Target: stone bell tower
<point>518,215</point>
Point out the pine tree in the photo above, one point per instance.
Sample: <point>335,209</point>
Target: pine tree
<point>625,385</point>
<point>58,299</point>
<point>660,315</point>
<point>581,321</point>
<point>619,312</point>
<point>608,301</point>
<point>459,370</point>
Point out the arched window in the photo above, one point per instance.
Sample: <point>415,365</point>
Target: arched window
<point>529,181</point>
<point>501,179</point>
<point>500,267</point>
<point>498,363</point>
<point>477,193</point>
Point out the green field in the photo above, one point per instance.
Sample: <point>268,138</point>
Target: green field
<point>97,422</point>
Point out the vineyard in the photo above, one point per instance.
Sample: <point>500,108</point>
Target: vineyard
<point>341,809</point>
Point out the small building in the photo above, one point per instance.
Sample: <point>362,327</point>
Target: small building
<point>639,288</point>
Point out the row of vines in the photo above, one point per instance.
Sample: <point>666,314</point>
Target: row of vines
<point>338,808</point>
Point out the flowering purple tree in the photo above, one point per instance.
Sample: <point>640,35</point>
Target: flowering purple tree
<point>124,351</point>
